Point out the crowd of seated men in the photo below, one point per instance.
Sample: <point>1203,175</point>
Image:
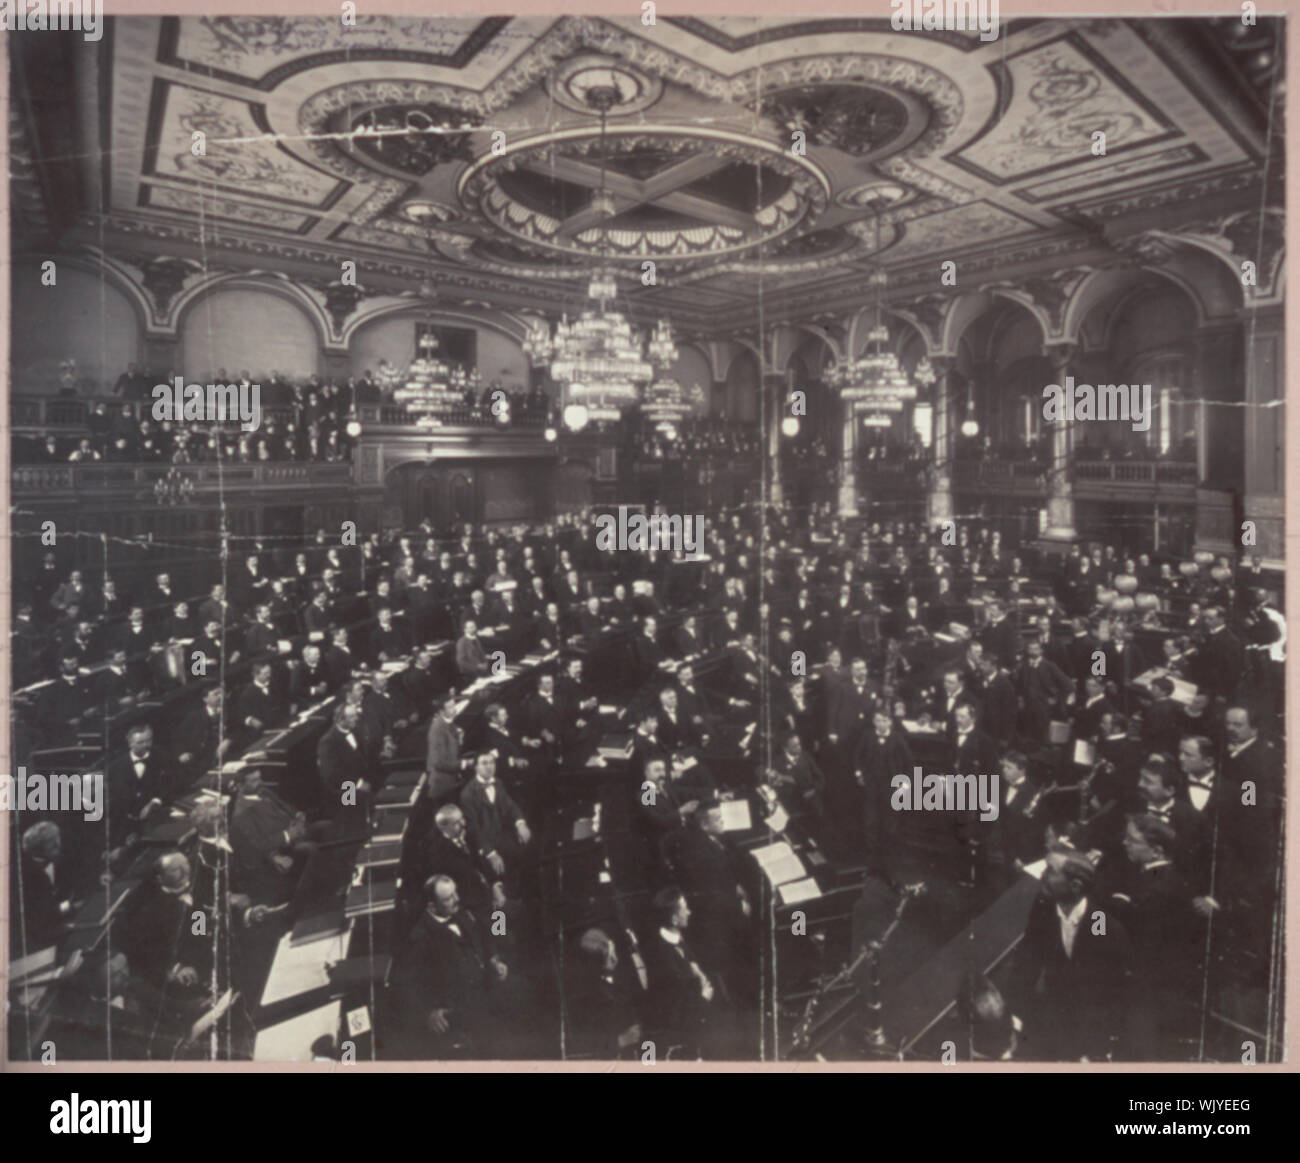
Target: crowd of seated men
<point>853,637</point>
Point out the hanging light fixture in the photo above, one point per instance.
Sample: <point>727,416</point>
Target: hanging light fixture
<point>600,364</point>
<point>970,426</point>
<point>433,388</point>
<point>875,381</point>
<point>665,404</point>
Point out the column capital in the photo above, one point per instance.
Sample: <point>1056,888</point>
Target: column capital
<point>1060,355</point>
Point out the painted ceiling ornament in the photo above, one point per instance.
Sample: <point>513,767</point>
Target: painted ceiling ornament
<point>571,82</point>
<point>415,138</point>
<point>164,279</point>
<point>855,119</point>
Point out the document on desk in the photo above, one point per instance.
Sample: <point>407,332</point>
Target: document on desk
<point>777,821</point>
<point>779,863</point>
<point>735,816</point>
<point>798,891</point>
<point>292,1040</point>
<point>298,969</point>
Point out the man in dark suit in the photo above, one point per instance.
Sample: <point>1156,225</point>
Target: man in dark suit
<point>717,900</point>
<point>340,661</point>
<point>310,680</point>
<point>999,636</point>
<point>1151,899</point>
<point>388,642</point>
<point>687,642</point>
<point>493,817</point>
<point>261,637</point>
<point>1071,975</point>
<point>268,841</point>
<point>550,627</point>
<point>682,1002</point>
<point>646,653</point>
<point>999,704</point>
<point>544,715</point>
<point>1160,791</point>
<point>1223,657</point>
<point>1124,662</point>
<point>344,773</point>
<point>137,786</point>
<point>882,754</point>
<point>851,710</point>
<point>675,729</point>
<point>444,763</point>
<point>450,850</point>
<point>471,660</point>
<point>201,740</point>
<point>260,706</point>
<point>442,981</point>
<point>42,893</point>
<point>1095,704</point>
<point>1162,718</point>
<point>1043,691</point>
<point>1020,824</point>
<point>972,750</point>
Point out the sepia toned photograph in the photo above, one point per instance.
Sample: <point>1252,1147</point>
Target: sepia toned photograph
<point>644,538</point>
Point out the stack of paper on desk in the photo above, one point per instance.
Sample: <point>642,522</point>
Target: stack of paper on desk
<point>798,891</point>
<point>735,816</point>
<point>779,863</point>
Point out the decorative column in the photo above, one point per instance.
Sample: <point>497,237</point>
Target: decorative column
<point>1265,431</point>
<point>848,490</point>
<point>1060,529</point>
<point>774,391</point>
<point>939,501</point>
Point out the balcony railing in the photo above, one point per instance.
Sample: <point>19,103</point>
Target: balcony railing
<point>30,480</point>
<point>396,416</point>
<point>1173,472</point>
<point>1028,476</point>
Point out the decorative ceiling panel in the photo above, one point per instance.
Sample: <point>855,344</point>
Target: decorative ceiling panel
<point>738,150</point>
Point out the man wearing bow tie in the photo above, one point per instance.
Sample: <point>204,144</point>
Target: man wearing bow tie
<point>493,816</point>
<point>344,773</point>
<point>1159,784</point>
<point>137,785</point>
<point>682,1004</point>
<point>1044,691</point>
<point>442,982</point>
<point>471,661</point>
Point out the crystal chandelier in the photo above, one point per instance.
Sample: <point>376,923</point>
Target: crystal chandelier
<point>600,363</point>
<point>662,348</point>
<point>432,387</point>
<point>173,489</point>
<point>665,405</point>
<point>874,382</point>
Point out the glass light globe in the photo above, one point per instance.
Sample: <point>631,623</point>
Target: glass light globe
<point>550,434</point>
<point>354,428</point>
<point>575,417</point>
<point>970,427</point>
<point>790,426</point>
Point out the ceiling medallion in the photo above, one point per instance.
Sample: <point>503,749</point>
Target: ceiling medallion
<point>571,83</point>
<point>414,138</point>
<point>872,194</point>
<point>668,192</point>
<point>852,117</point>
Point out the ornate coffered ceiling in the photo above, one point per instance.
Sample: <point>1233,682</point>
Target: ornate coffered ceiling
<point>755,162</point>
